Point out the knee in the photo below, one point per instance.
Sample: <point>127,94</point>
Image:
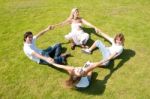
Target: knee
<point>58,45</point>
<point>97,41</point>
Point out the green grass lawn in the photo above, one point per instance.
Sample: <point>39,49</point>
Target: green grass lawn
<point>128,77</point>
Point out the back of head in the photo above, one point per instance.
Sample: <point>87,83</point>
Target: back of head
<point>27,34</point>
<point>72,80</point>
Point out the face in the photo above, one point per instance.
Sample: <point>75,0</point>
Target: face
<point>76,14</point>
<point>118,41</point>
<point>29,39</point>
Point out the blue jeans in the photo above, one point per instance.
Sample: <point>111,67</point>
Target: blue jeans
<point>53,52</point>
<point>104,50</point>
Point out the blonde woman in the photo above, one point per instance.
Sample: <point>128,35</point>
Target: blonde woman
<point>77,36</point>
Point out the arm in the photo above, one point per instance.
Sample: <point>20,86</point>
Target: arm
<point>107,59</point>
<point>51,61</point>
<point>96,64</point>
<point>105,36</point>
<point>65,67</point>
<point>68,21</point>
<point>89,24</point>
<point>44,31</point>
<point>47,59</point>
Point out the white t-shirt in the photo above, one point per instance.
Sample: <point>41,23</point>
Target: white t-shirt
<point>115,48</point>
<point>30,48</point>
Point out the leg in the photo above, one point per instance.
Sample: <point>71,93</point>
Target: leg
<point>88,50</point>
<point>72,45</point>
<point>53,51</point>
<point>84,38</point>
<point>69,37</point>
<point>104,50</point>
<point>93,46</point>
<point>56,50</point>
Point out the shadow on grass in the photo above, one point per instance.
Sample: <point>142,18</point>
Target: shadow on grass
<point>98,87</point>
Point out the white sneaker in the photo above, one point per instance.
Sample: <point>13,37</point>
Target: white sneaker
<point>86,51</point>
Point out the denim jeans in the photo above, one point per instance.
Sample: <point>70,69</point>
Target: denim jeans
<point>53,52</point>
<point>104,50</point>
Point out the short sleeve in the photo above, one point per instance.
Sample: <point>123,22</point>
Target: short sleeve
<point>28,50</point>
<point>34,37</point>
<point>112,40</point>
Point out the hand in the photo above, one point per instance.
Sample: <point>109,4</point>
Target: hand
<point>50,60</point>
<point>50,27</point>
<point>97,30</point>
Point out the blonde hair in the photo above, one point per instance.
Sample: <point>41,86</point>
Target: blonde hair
<point>72,13</point>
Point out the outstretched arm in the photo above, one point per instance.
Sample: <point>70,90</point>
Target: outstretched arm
<point>89,24</point>
<point>44,31</point>
<point>47,59</point>
<point>64,67</point>
<point>96,64</point>
<point>104,35</point>
<point>68,21</point>
<point>51,61</point>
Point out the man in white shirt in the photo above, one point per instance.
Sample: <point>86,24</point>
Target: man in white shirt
<point>51,54</point>
<point>108,53</point>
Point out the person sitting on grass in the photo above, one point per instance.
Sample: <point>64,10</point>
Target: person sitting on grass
<point>77,36</point>
<point>43,56</point>
<point>76,73</point>
<point>108,52</point>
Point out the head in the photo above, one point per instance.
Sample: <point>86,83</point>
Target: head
<point>72,80</point>
<point>28,36</point>
<point>74,13</point>
<point>119,39</point>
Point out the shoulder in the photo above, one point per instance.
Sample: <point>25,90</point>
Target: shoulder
<point>34,37</point>
<point>119,48</point>
<point>112,40</point>
<point>82,19</point>
<point>27,49</point>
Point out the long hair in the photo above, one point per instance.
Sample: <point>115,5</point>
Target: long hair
<point>72,79</point>
<point>121,36</point>
<point>72,13</point>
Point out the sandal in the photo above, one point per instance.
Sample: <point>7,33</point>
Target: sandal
<point>73,46</point>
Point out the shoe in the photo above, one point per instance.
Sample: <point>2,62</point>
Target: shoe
<point>73,46</point>
<point>86,51</point>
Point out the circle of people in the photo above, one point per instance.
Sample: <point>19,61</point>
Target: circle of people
<point>79,77</point>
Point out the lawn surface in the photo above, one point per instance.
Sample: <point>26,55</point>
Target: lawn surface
<point>127,77</point>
